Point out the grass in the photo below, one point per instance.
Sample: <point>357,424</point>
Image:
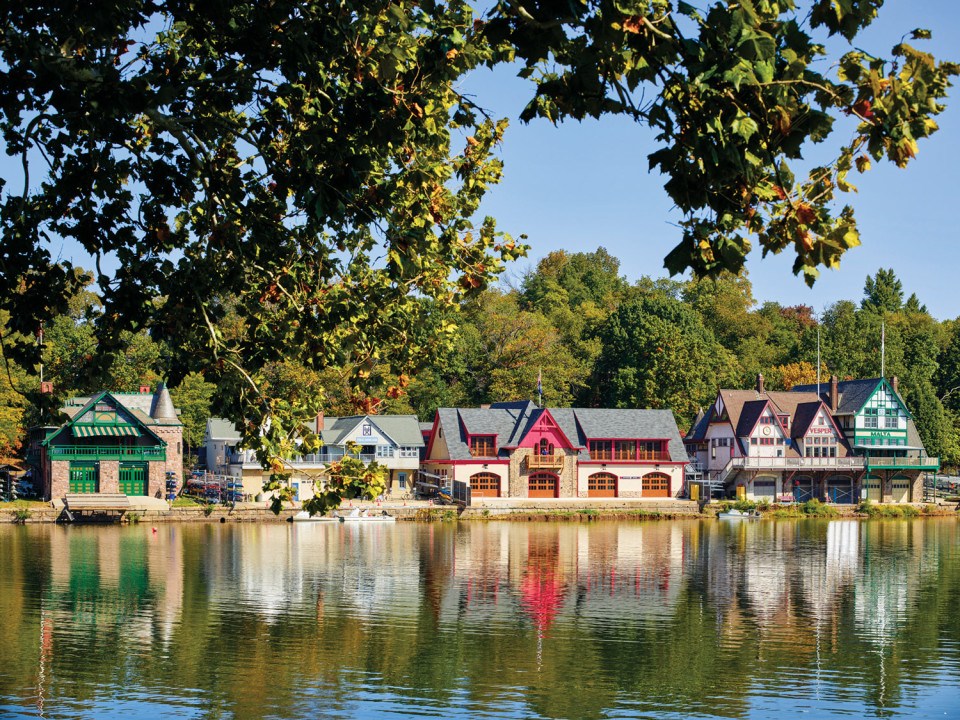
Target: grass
<point>811,508</point>
<point>185,502</point>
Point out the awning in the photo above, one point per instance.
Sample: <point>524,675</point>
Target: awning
<point>105,430</point>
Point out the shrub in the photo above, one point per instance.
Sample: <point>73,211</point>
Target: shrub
<point>21,513</point>
<point>818,509</point>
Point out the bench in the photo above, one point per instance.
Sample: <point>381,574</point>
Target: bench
<point>95,503</point>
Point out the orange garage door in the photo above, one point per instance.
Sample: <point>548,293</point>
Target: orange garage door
<point>656,485</point>
<point>602,485</point>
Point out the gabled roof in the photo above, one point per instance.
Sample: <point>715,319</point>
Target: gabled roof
<point>222,429</point>
<point>853,394</point>
<point>510,422</point>
<point>806,412</point>
<point>142,422</point>
<point>401,429</point>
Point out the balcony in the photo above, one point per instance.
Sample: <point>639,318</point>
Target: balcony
<point>902,463</point>
<point>545,462</point>
<point>106,452</point>
<point>800,463</point>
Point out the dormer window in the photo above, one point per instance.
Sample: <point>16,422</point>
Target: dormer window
<point>483,446</point>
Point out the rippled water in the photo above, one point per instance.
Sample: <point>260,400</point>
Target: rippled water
<point>807,619</point>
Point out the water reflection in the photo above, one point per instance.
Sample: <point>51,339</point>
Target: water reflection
<point>499,619</point>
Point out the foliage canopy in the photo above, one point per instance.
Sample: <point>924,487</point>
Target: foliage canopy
<point>299,179</point>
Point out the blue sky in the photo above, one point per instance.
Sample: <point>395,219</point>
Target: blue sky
<point>582,185</point>
<point>579,186</point>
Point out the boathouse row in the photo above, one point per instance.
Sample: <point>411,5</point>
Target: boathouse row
<point>839,442</point>
<point>520,450</point>
<point>130,443</point>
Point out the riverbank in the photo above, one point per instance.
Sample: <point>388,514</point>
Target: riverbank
<point>151,510</point>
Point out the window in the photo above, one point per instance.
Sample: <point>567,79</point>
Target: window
<point>870,418</point>
<point>625,449</point>
<point>601,450</point>
<point>407,451</point>
<point>544,447</point>
<point>753,441</point>
<point>653,449</point>
<point>482,446</point>
<point>891,419</point>
<point>766,420</point>
<point>821,420</point>
<point>384,451</point>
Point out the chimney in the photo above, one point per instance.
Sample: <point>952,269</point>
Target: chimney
<point>319,425</point>
<point>895,384</point>
<point>760,383</point>
<point>144,389</point>
<point>834,394</point>
<point>46,388</point>
<point>484,406</point>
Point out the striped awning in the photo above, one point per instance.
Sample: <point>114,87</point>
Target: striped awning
<point>105,430</point>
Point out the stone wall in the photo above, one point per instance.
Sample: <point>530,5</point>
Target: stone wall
<point>173,435</point>
<point>519,474</point>
<point>157,479</point>
<point>109,476</point>
<point>59,478</point>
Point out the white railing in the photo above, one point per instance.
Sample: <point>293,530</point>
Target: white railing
<point>912,462</point>
<point>801,463</point>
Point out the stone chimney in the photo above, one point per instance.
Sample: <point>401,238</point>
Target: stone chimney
<point>834,394</point>
<point>760,383</point>
<point>895,384</point>
<point>162,408</point>
<point>319,423</point>
<point>484,406</point>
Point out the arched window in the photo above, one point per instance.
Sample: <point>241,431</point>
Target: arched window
<point>546,447</point>
<point>656,485</point>
<point>485,484</point>
<point>542,485</point>
<point>602,484</point>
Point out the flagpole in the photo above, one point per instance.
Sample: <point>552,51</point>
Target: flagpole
<point>540,387</point>
<point>818,360</point>
<point>883,348</point>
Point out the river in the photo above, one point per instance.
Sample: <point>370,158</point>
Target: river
<point>704,619</point>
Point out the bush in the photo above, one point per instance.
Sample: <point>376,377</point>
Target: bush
<point>818,509</point>
<point>21,513</point>
<point>887,511</point>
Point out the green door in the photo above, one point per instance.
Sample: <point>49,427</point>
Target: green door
<point>83,478</point>
<point>133,479</point>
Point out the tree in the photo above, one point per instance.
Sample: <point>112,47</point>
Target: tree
<point>657,353</point>
<point>193,398</point>
<point>313,168</point>
<point>883,292</point>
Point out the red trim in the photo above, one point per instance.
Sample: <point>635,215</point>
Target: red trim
<point>471,461</point>
<point>556,426</point>
<point>433,432</point>
<point>664,444</point>
<point>630,462</point>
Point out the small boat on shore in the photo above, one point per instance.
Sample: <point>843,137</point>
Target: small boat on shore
<point>734,514</point>
<point>361,516</point>
<point>304,516</point>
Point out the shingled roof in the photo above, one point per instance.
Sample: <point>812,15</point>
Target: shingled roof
<point>511,422</point>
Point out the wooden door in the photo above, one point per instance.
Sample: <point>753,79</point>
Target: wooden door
<point>901,490</point>
<point>602,484</point>
<point>656,485</point>
<point>133,479</point>
<point>542,485</point>
<point>485,485</point>
<point>83,478</point>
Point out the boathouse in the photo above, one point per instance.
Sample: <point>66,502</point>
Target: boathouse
<point>129,443</point>
<point>851,441</point>
<point>520,450</point>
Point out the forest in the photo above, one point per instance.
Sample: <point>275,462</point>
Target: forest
<point>594,339</point>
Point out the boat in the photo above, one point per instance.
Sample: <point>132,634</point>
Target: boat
<point>361,516</point>
<point>304,516</point>
<point>734,514</point>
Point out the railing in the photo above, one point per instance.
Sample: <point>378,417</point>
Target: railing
<point>538,462</point>
<point>801,463</point>
<point>309,459</point>
<point>903,462</point>
<point>105,452</point>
